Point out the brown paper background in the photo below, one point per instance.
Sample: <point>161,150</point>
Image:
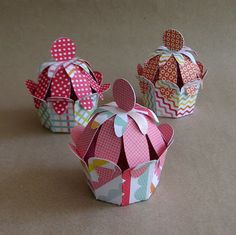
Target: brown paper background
<point>42,188</point>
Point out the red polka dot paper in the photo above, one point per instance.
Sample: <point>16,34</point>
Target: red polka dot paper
<point>31,86</point>
<point>42,88</point>
<point>82,88</point>
<point>60,87</point>
<point>98,77</point>
<point>63,49</point>
<point>173,40</point>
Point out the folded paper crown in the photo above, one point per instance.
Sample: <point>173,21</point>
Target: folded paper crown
<point>122,150</point>
<point>67,77</point>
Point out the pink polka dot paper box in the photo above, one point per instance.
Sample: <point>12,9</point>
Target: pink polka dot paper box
<point>122,150</point>
<point>171,77</point>
<point>67,90</point>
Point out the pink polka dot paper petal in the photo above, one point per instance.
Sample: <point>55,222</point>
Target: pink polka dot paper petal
<point>98,76</point>
<point>173,40</point>
<point>31,86</point>
<point>60,87</point>
<point>63,49</point>
<point>124,95</point>
<point>42,88</point>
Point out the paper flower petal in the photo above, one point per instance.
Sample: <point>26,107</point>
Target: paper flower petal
<point>141,109</point>
<point>141,121</point>
<point>109,151</point>
<point>60,87</point>
<point>42,88</point>
<point>179,58</point>
<point>52,70</point>
<point>135,145</point>
<point>120,124</point>
<point>156,139</point>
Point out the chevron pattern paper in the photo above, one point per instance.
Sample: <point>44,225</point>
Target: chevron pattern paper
<point>167,100</point>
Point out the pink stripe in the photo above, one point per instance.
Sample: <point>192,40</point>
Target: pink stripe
<point>126,187</point>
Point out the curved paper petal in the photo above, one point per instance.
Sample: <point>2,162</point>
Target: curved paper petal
<point>189,71</point>
<point>189,55</point>
<point>179,58</point>
<point>108,146</point>
<point>169,72</point>
<point>45,65</point>
<point>141,121</point>
<point>120,124</point>
<point>42,88</point>
<point>167,132</point>
<point>135,145</point>
<point>52,70</point>
<point>150,68</point>
<point>104,88</point>
<point>164,58</point>
<point>140,69</point>
<point>100,119</point>
<point>156,139</point>
<point>76,133</point>
<point>146,111</point>
<point>60,87</point>
<point>98,76</point>
<point>31,86</point>
<point>81,85</point>
<point>86,139</point>
<point>82,65</point>
<point>185,48</point>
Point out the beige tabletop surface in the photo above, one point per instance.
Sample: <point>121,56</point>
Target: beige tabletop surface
<point>42,187</point>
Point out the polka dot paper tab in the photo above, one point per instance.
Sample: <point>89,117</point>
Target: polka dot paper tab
<point>173,40</point>
<point>124,95</point>
<point>63,49</point>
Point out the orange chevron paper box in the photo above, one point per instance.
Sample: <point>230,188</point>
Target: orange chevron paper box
<point>67,90</point>
<point>171,77</point>
<point>122,150</point>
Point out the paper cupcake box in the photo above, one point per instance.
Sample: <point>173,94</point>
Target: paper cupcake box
<point>67,90</point>
<point>122,150</point>
<point>171,77</point>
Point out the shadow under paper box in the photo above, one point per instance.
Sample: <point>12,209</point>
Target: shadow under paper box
<point>122,150</point>
<point>67,90</point>
<point>171,77</point>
